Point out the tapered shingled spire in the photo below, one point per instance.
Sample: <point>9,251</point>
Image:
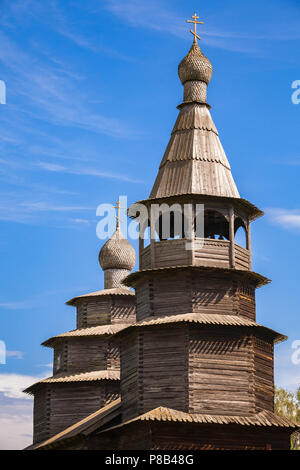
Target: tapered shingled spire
<point>194,161</point>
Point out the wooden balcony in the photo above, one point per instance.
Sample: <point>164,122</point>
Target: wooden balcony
<point>205,252</point>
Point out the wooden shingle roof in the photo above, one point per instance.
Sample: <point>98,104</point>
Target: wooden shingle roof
<point>82,377</point>
<point>96,420</point>
<point>264,418</point>
<point>206,319</point>
<point>194,161</point>
<point>100,293</point>
<point>101,330</point>
<point>256,278</point>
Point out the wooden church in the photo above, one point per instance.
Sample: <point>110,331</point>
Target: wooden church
<point>181,363</point>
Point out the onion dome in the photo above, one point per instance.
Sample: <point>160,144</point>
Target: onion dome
<point>195,72</point>
<point>195,66</point>
<point>117,253</point>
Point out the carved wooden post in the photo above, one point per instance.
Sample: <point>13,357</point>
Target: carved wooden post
<point>231,237</point>
<point>249,242</point>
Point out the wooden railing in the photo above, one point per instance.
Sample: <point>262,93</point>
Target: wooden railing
<point>205,252</point>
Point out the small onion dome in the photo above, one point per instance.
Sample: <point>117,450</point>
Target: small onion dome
<point>117,253</point>
<point>195,66</point>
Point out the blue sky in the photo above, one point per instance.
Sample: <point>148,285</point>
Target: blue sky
<point>92,90</point>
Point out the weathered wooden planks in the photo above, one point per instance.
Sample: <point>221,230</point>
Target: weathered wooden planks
<point>57,406</point>
<point>263,374</point>
<point>214,253</point>
<point>61,405</point>
<point>185,292</point>
<point>220,372</point>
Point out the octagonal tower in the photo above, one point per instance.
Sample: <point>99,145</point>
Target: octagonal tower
<point>196,353</point>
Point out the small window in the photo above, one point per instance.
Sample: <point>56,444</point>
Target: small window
<point>58,363</point>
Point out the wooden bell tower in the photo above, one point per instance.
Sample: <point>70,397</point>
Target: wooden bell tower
<point>196,368</point>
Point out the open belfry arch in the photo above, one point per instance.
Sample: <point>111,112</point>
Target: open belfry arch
<point>196,370</point>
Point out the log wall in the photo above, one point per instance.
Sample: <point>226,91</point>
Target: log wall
<point>93,312</point>
<point>179,293</point>
<point>123,309</point>
<point>163,369</point>
<point>212,370</point>
<point>129,376</point>
<point>154,370</point>
<point>263,374</point>
<point>220,372</point>
<point>57,406</point>
<point>86,354</point>
<point>104,310</point>
<point>175,436</point>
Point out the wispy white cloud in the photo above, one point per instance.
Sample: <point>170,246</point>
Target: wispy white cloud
<point>86,171</point>
<point>80,221</point>
<point>150,15</point>
<point>49,365</point>
<point>38,299</point>
<point>17,305</point>
<point>16,415</point>
<point>12,385</point>
<point>155,15</point>
<point>88,43</point>
<point>16,419</point>
<point>58,19</point>
<point>16,209</point>
<point>16,354</point>
<point>40,206</point>
<point>60,151</point>
<point>286,218</point>
<point>287,374</point>
<point>54,96</point>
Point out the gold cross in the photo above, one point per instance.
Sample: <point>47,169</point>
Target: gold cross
<point>118,216</point>
<point>195,18</point>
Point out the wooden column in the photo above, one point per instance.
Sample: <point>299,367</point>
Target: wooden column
<point>248,241</point>
<point>231,237</point>
<point>193,234</point>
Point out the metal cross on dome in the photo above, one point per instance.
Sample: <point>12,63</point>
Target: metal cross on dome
<point>194,20</point>
<point>118,216</point>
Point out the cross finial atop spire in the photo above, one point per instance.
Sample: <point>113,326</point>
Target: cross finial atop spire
<point>118,216</point>
<point>195,18</point>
